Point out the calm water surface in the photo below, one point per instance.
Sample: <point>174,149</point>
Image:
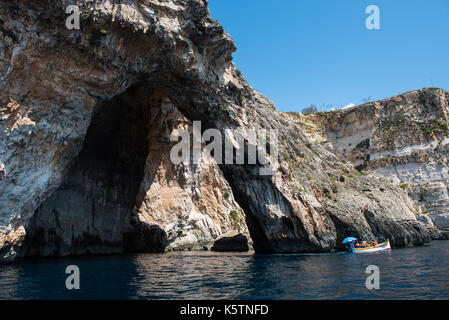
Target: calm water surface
<point>409,273</point>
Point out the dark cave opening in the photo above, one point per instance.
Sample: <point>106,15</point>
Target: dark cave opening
<point>114,152</point>
<point>92,211</point>
<point>261,243</point>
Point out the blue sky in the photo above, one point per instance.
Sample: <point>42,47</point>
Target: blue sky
<point>303,52</point>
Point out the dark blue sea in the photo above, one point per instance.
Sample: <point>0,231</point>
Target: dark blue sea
<point>408,273</point>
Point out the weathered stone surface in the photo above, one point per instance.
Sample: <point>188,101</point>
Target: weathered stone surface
<point>2,171</point>
<point>237,243</point>
<point>404,138</point>
<point>85,116</point>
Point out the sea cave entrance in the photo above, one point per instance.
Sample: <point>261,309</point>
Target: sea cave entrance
<point>93,209</point>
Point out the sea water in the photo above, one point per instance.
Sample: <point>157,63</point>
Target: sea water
<point>407,273</point>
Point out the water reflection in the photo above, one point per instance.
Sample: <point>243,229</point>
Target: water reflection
<point>9,276</point>
<point>405,274</point>
<point>192,275</point>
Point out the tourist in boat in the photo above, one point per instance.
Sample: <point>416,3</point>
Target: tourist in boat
<point>355,246</point>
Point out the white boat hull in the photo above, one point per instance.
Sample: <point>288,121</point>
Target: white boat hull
<point>380,247</point>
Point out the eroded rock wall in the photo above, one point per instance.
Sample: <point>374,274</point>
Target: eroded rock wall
<point>192,203</point>
<point>404,138</point>
<point>123,193</point>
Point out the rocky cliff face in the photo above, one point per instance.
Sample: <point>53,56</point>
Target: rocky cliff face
<point>86,117</point>
<point>404,138</point>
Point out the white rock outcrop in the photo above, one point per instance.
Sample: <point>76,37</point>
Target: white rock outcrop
<point>404,138</point>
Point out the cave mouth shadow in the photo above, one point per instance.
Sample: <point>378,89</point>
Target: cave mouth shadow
<point>117,146</point>
<point>261,243</point>
<point>94,209</point>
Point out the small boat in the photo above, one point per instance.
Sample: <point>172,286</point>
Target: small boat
<point>385,246</point>
<point>380,247</point>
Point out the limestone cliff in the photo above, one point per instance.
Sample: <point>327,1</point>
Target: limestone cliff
<point>404,138</point>
<point>86,117</point>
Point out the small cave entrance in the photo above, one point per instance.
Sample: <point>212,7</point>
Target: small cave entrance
<point>234,176</point>
<point>93,209</point>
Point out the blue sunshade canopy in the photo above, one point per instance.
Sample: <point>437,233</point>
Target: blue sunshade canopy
<point>349,239</point>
